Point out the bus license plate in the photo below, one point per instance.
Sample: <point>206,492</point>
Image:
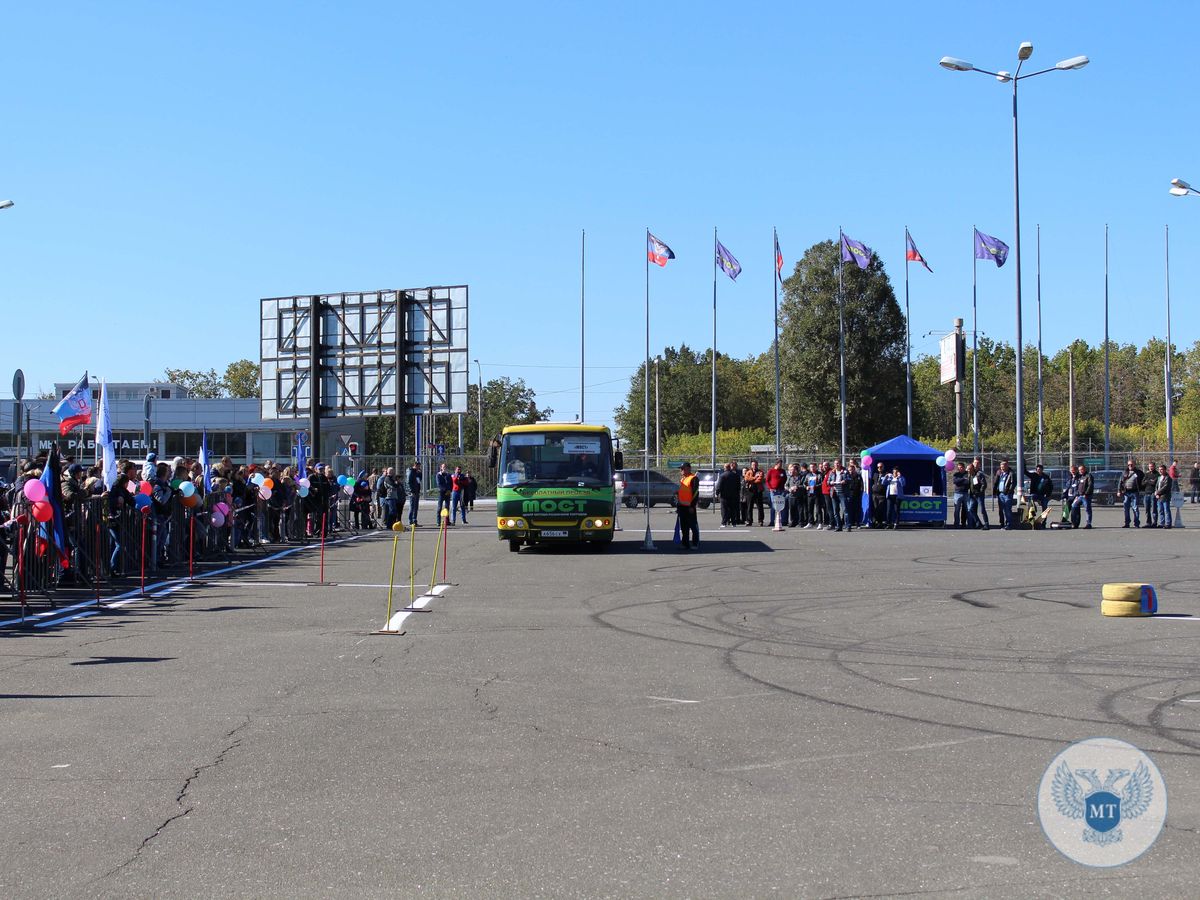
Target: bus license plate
<point>554,533</point>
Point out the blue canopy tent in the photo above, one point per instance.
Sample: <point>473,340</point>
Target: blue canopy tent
<point>918,464</point>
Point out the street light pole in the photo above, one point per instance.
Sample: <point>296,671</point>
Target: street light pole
<point>958,65</point>
<point>479,411</point>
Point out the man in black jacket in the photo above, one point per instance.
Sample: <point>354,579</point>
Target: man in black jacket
<point>414,492</point>
<point>1083,493</point>
<point>1041,486</point>
<point>1129,490</point>
<point>962,483</point>
<point>729,490</point>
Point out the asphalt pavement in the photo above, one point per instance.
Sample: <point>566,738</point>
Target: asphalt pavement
<point>798,714</point>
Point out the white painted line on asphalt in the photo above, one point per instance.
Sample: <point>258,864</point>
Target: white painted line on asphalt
<point>1177,618</point>
<point>62,766</point>
<point>1181,701</point>
<point>672,700</point>
<point>836,756</point>
<point>53,622</point>
<point>419,603</point>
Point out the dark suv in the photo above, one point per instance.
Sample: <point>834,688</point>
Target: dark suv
<point>631,484</point>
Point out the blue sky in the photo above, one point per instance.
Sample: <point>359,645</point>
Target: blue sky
<point>171,166</point>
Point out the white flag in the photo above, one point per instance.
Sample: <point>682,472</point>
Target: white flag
<point>104,438</point>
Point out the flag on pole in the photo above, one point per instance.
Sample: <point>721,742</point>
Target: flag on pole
<point>53,531</point>
<point>656,251</point>
<point>75,408</point>
<point>778,260</point>
<point>104,438</point>
<point>912,254</point>
<point>204,460</point>
<point>856,252</point>
<point>728,262</point>
<point>988,247</point>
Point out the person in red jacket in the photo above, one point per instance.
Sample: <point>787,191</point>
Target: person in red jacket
<point>775,479</point>
<point>458,488</point>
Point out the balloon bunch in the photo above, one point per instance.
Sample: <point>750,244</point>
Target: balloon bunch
<point>946,460</point>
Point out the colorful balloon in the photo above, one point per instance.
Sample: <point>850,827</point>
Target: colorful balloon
<point>304,483</point>
<point>941,462</point>
<point>34,490</point>
<point>303,490</point>
<point>862,454</point>
<point>268,483</point>
<point>189,500</point>
<point>265,492</point>
<point>868,460</point>
<point>951,455</point>
<point>42,511</point>
<point>258,478</point>
<point>131,486</point>
<point>145,488</point>
<point>187,488</point>
<point>217,519</point>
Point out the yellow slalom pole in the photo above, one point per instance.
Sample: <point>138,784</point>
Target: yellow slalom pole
<point>392,574</point>
<point>437,551</point>
<point>412,564</point>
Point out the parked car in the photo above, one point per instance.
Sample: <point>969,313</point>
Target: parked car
<point>630,484</point>
<point>707,486</point>
<point>1105,484</point>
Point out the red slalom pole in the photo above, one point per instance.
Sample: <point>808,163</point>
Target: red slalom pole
<point>191,547</point>
<point>96,568</point>
<point>21,565</point>
<point>323,516</point>
<point>445,549</point>
<point>144,517</point>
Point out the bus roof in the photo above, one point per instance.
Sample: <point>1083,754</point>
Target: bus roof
<point>556,426</point>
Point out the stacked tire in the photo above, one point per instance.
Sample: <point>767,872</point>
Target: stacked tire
<point>1126,599</point>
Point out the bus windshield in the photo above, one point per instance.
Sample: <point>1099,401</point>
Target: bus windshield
<point>556,458</point>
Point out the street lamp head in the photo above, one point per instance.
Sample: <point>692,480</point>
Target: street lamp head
<point>955,65</point>
<point>5,204</point>
<point>1180,183</point>
<point>1075,62</point>
<point>1180,191</point>
<point>1025,51</point>
<point>1003,77</point>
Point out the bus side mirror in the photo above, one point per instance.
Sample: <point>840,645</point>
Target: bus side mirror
<point>618,460</point>
<point>493,453</point>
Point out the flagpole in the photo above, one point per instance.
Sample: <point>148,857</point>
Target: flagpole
<point>974,347</point>
<point>1167,368</point>
<point>1041,384</point>
<point>713,454</point>
<point>648,541</point>
<point>775,283</point>
<point>1107,418</point>
<point>841,342</point>
<point>582,321</point>
<point>907,340</point>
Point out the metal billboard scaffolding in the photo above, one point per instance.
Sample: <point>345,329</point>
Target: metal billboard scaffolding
<point>325,356</point>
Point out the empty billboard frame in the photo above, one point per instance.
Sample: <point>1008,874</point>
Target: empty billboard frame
<point>366,344</point>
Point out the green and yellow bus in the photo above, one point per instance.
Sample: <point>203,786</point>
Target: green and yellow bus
<point>554,484</point>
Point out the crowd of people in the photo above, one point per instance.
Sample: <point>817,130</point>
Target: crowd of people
<point>827,495</point>
<point>841,497</point>
<point>158,512</point>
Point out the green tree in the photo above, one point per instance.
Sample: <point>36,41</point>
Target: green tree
<point>874,338</point>
<point>505,402</point>
<point>241,379</point>
<point>744,398</point>
<point>205,385</point>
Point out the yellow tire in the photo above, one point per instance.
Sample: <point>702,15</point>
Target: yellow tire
<point>1141,595</point>
<point>1122,608</point>
<point>1128,591</point>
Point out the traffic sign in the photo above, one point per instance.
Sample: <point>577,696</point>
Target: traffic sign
<point>19,385</point>
<point>346,439</point>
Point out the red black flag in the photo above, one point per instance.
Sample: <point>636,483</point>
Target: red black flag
<point>778,261</point>
<point>912,254</point>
